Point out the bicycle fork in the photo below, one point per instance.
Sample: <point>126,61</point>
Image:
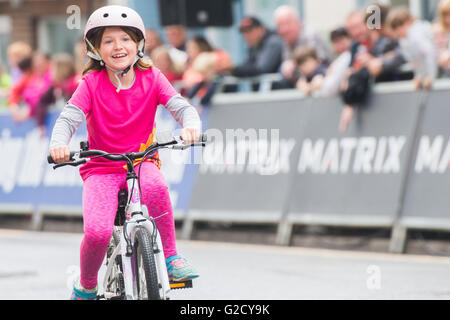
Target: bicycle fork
<point>127,239</point>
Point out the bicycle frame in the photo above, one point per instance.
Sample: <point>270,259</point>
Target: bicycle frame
<point>127,237</point>
<point>135,217</point>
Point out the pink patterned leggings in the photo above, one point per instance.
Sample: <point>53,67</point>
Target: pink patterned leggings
<point>99,210</point>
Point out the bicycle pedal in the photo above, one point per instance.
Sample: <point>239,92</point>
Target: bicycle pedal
<point>181,284</point>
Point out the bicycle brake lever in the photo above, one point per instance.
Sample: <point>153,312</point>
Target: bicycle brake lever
<point>187,146</point>
<point>179,147</point>
<point>72,164</point>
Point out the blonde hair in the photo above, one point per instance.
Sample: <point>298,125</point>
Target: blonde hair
<point>164,51</point>
<point>205,62</point>
<point>19,50</point>
<point>94,65</point>
<point>443,9</point>
<point>398,17</point>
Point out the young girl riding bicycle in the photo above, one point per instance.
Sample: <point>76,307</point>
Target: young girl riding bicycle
<point>118,97</point>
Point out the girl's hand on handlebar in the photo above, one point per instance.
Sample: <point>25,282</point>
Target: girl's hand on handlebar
<point>190,135</point>
<point>60,154</point>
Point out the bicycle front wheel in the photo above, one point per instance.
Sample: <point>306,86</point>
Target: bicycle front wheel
<point>148,287</point>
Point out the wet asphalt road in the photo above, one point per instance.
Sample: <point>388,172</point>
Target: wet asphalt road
<point>41,265</point>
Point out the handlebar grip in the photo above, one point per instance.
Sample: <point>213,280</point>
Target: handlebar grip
<point>203,138</point>
<point>50,159</point>
<point>73,164</point>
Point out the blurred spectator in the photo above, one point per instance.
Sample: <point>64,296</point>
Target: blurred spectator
<point>206,65</point>
<point>65,79</point>
<point>16,52</point>
<point>162,60</point>
<point>152,41</point>
<point>382,56</point>
<point>338,69</point>
<point>441,31</point>
<point>64,75</point>
<point>311,69</point>
<point>384,11</point>
<point>340,41</point>
<point>224,63</point>
<point>25,67</point>
<point>5,84</point>
<point>295,34</point>
<point>195,47</point>
<point>417,42</point>
<point>176,37</point>
<point>265,49</point>
<point>373,58</point>
<point>30,88</point>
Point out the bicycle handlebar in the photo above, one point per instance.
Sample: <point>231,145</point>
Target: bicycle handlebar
<point>174,144</point>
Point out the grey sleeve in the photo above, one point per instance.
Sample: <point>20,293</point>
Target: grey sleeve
<point>423,51</point>
<point>67,123</point>
<point>335,75</point>
<point>183,112</point>
<point>425,60</point>
<point>430,61</point>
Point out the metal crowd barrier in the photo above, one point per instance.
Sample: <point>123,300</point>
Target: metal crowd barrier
<point>365,177</point>
<point>31,188</point>
<point>243,84</point>
<point>277,158</point>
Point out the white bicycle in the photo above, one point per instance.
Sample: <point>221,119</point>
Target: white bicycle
<point>135,263</point>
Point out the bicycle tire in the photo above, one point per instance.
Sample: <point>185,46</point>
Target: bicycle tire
<point>148,286</point>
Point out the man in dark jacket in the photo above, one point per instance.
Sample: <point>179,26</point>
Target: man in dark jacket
<point>265,49</point>
<point>374,57</point>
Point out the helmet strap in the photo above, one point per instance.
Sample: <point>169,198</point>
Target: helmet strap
<point>94,53</point>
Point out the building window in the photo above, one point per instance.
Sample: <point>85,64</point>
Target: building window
<point>5,30</point>
<point>53,36</point>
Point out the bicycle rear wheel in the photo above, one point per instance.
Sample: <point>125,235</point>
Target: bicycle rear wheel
<point>146,274</point>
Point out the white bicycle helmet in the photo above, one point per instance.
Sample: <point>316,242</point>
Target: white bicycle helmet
<point>115,16</point>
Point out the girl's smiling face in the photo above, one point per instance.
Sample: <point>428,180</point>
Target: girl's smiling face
<point>117,48</point>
